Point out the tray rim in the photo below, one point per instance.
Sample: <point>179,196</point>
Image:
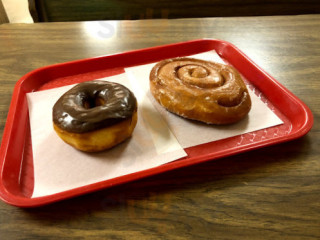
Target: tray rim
<point>22,201</point>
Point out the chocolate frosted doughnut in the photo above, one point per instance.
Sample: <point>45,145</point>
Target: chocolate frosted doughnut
<point>92,105</point>
<point>92,111</point>
<point>200,90</point>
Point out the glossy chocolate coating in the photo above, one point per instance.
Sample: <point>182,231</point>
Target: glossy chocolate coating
<point>93,105</point>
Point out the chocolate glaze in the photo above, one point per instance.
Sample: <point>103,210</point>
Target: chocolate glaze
<point>93,105</point>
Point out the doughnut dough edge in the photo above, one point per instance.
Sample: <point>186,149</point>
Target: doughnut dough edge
<point>101,139</point>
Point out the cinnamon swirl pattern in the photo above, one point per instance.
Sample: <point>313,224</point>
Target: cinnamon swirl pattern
<point>200,90</point>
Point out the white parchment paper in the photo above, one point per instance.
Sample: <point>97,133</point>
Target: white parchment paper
<point>59,167</point>
<point>191,133</point>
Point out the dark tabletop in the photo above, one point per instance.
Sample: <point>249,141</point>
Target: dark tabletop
<point>270,193</point>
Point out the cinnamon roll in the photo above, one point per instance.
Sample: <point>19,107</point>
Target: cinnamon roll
<point>206,91</point>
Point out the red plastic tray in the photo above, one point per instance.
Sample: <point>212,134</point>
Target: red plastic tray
<point>16,163</point>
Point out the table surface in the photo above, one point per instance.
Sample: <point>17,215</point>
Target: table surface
<point>270,193</point>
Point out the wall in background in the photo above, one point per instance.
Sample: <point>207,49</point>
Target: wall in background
<point>88,10</point>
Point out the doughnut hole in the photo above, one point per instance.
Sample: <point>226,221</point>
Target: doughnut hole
<point>94,102</point>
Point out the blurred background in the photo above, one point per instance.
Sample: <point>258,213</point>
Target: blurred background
<point>29,11</point>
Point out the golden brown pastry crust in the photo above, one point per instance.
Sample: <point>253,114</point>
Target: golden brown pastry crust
<point>210,92</point>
